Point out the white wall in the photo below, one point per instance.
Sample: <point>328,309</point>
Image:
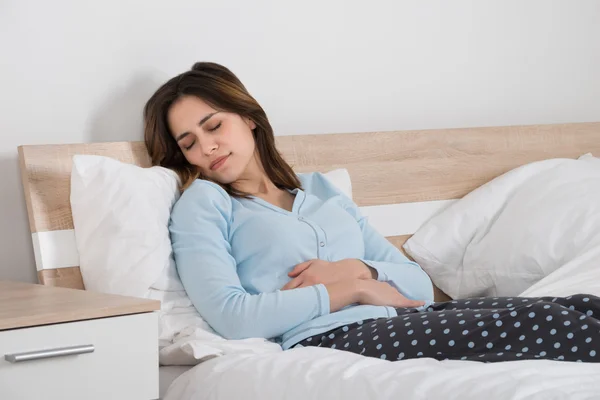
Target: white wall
<point>80,71</point>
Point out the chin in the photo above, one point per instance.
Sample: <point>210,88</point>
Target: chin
<point>224,178</point>
<point>225,181</point>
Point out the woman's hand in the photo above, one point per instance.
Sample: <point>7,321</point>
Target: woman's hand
<point>383,294</point>
<point>313,272</point>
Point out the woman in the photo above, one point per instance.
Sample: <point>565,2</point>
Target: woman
<point>263,252</point>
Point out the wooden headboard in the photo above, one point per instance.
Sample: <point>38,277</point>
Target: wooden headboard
<point>385,168</point>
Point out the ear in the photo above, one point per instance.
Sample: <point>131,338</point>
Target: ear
<point>250,123</point>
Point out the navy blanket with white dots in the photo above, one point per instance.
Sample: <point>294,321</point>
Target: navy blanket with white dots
<point>478,329</point>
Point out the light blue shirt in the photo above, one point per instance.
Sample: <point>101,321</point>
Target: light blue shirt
<point>233,256</point>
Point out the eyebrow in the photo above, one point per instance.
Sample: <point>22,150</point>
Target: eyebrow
<point>202,121</point>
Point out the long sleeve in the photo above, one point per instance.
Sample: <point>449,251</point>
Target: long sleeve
<point>199,228</point>
<point>392,266</point>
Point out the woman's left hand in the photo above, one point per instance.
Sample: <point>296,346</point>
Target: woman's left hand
<point>317,271</point>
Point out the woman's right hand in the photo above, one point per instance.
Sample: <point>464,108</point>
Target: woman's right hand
<point>378,293</point>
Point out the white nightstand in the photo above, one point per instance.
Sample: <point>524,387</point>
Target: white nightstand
<point>58,343</point>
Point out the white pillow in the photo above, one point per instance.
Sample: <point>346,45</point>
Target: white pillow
<point>340,178</point>
<point>121,214</point>
<point>509,233</point>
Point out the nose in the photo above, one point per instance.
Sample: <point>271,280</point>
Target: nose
<point>208,144</point>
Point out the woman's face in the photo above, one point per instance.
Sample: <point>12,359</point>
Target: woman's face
<point>219,143</point>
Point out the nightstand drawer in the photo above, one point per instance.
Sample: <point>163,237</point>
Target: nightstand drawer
<point>118,359</point>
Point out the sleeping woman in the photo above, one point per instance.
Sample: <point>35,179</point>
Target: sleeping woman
<point>265,252</point>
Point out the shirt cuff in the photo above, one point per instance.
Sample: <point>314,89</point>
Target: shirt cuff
<point>322,299</point>
<point>381,275</point>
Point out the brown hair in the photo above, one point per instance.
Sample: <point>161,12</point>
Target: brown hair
<point>219,87</point>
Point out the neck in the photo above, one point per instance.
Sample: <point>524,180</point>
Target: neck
<point>254,180</point>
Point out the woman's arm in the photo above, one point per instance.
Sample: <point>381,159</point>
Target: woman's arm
<point>438,295</point>
<point>199,231</point>
<point>391,264</point>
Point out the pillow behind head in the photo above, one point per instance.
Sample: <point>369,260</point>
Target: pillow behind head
<point>120,215</point>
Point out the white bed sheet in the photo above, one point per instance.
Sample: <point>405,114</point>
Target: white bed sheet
<point>166,376</point>
<point>318,373</point>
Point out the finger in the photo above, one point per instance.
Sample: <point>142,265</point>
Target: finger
<point>294,283</point>
<point>414,303</point>
<point>299,268</point>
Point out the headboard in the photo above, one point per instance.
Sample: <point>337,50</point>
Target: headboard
<point>409,175</point>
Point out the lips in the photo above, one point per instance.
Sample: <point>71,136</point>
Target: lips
<point>218,162</point>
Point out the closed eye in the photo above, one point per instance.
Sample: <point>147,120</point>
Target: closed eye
<point>215,128</point>
<point>194,142</point>
<point>190,146</point>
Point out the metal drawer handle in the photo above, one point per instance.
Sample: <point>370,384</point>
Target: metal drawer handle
<point>59,352</point>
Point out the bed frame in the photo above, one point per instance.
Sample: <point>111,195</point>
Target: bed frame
<point>417,171</point>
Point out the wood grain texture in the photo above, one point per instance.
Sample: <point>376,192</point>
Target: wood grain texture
<point>26,304</point>
<point>69,277</point>
<point>385,167</point>
<point>46,176</point>
<point>409,166</point>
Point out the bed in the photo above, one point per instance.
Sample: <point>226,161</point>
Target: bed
<point>399,179</point>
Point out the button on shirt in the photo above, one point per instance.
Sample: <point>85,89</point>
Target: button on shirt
<point>233,256</point>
